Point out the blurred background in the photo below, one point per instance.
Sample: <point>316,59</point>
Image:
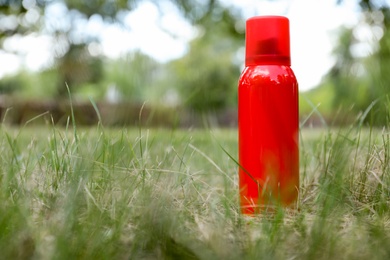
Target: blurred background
<point>177,62</point>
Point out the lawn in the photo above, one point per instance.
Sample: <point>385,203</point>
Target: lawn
<point>139,193</point>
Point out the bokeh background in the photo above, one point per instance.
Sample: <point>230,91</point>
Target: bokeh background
<point>176,63</point>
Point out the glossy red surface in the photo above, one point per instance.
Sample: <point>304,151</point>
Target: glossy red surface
<point>268,137</point>
<point>267,41</point>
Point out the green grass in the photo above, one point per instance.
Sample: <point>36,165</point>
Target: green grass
<point>172,194</point>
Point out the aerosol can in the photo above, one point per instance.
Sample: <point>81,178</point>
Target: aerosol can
<point>268,123</point>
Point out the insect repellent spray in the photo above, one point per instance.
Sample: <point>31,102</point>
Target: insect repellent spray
<point>267,118</point>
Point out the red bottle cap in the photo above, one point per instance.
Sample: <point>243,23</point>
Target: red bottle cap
<point>267,41</point>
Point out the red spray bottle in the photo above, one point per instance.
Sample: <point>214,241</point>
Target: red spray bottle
<point>268,117</point>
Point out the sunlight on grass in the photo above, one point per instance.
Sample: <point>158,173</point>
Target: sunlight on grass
<point>172,194</point>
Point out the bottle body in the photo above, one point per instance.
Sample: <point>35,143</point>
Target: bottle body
<point>268,129</point>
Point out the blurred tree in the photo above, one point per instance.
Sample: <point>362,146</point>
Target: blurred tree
<point>27,84</point>
<point>360,74</point>
<point>133,76</point>
<point>10,85</point>
<point>379,64</point>
<point>14,17</point>
<point>207,76</point>
<point>347,76</point>
<point>77,67</point>
<point>74,63</point>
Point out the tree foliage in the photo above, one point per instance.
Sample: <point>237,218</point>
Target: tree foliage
<point>73,61</point>
<point>133,76</point>
<point>207,76</point>
<point>360,74</point>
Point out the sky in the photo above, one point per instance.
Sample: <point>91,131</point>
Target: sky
<point>312,30</point>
